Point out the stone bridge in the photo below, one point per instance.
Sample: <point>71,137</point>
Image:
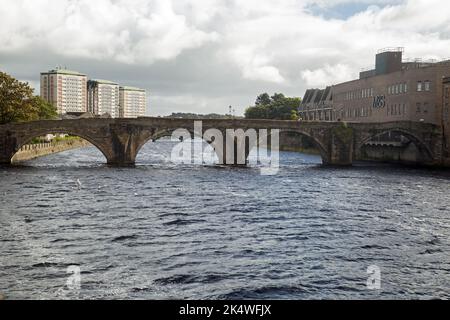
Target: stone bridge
<point>121,139</point>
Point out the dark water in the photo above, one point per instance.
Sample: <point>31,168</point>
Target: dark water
<point>161,231</point>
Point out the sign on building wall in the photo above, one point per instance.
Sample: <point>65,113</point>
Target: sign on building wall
<point>379,102</point>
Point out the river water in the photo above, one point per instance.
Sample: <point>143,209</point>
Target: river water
<point>166,231</point>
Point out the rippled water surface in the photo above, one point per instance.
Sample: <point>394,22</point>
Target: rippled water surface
<point>161,231</point>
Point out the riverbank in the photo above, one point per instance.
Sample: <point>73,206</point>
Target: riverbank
<point>33,151</point>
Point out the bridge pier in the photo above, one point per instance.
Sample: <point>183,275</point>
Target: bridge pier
<point>123,146</point>
<point>5,162</point>
<point>340,147</point>
<point>121,155</point>
<point>7,148</point>
<point>121,161</point>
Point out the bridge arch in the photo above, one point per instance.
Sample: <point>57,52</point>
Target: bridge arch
<point>422,147</point>
<point>155,136</point>
<point>320,146</point>
<point>34,134</point>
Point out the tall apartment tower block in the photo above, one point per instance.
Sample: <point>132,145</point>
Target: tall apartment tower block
<point>103,97</point>
<point>65,89</point>
<point>133,102</point>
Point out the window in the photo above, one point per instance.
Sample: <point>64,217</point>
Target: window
<point>427,85</point>
<point>419,86</point>
<point>389,90</point>
<point>406,87</point>
<point>419,105</point>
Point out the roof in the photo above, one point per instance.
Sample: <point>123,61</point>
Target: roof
<point>103,81</point>
<point>131,88</point>
<point>65,71</point>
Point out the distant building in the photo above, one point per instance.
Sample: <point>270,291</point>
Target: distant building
<point>103,97</point>
<point>65,89</point>
<point>133,102</point>
<point>317,105</point>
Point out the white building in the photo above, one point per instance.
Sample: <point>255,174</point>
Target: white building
<point>103,97</point>
<point>133,102</point>
<point>65,89</point>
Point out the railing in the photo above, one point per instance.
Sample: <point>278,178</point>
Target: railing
<point>426,61</point>
<point>391,49</point>
<point>43,145</point>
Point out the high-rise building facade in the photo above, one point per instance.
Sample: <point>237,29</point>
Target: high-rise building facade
<point>133,102</point>
<point>65,89</point>
<point>103,97</point>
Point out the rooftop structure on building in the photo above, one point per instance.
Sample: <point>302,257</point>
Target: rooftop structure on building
<point>65,71</point>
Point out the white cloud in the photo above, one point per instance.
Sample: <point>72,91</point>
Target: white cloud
<point>249,46</point>
<point>135,31</point>
<point>321,77</point>
<point>255,66</point>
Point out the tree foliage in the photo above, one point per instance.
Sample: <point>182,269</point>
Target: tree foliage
<point>18,104</point>
<point>181,115</point>
<point>277,107</point>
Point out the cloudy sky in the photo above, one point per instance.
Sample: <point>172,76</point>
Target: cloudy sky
<point>204,55</point>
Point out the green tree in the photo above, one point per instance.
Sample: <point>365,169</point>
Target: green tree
<point>277,107</point>
<point>278,98</point>
<point>263,100</point>
<point>46,111</point>
<point>257,112</point>
<point>18,104</point>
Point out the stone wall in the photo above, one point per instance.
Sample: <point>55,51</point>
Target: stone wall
<point>32,151</point>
